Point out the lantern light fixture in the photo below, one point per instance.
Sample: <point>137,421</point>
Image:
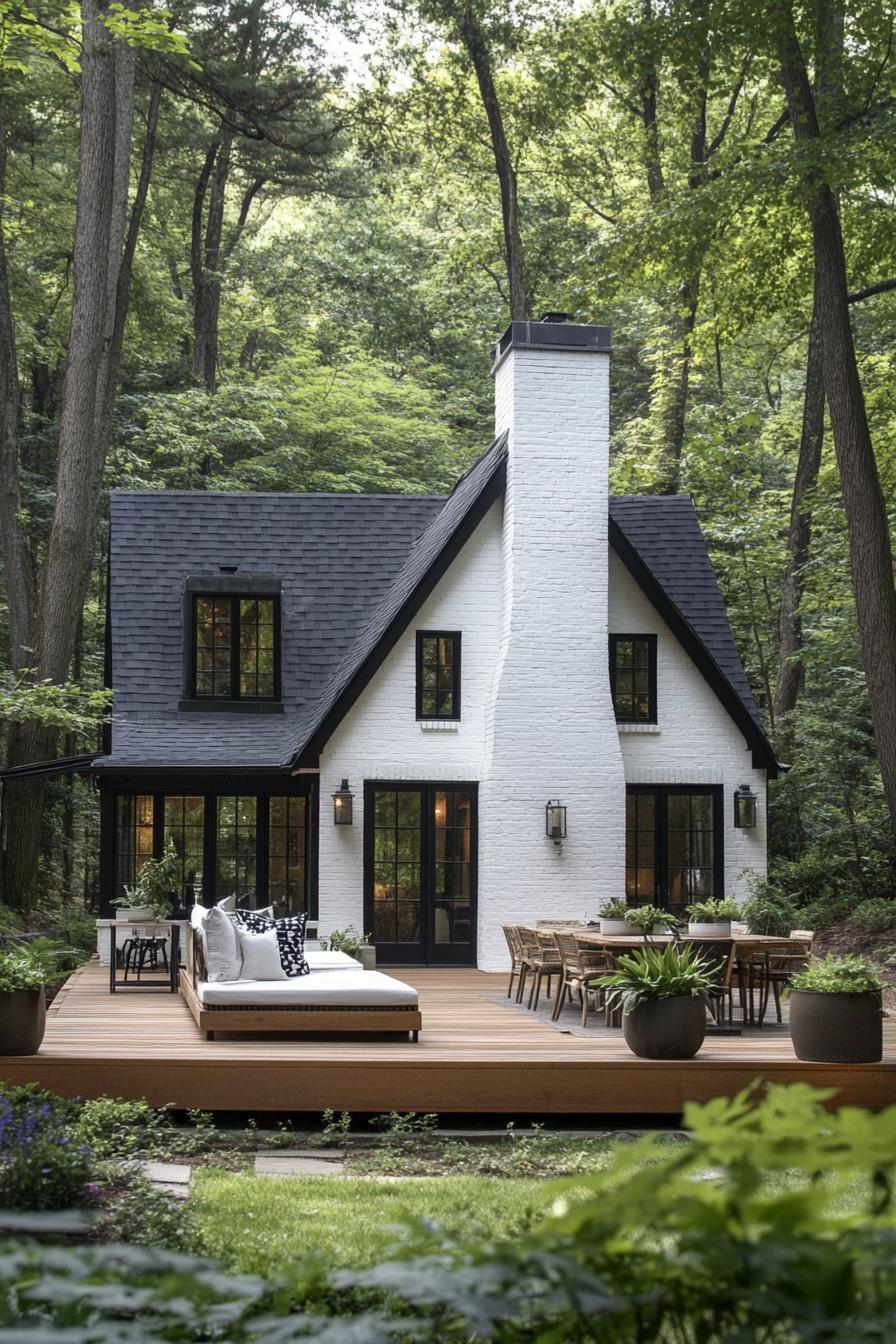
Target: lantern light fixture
<point>745,807</point>
<point>555,820</point>
<point>343,799</point>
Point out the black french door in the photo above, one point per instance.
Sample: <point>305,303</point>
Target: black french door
<point>674,844</point>
<point>420,872</point>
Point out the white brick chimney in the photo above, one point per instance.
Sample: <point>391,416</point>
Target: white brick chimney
<point>550,728</point>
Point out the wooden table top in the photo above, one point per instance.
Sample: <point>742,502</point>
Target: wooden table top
<point>588,934</point>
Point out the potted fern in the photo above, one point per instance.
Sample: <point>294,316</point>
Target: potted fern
<point>648,919</point>
<point>154,893</point>
<point>712,919</point>
<point>353,944</point>
<point>836,1013</point>
<point>663,993</point>
<point>614,918</point>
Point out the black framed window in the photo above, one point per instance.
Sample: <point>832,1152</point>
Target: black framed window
<point>134,838</point>
<point>438,674</point>
<point>633,677</point>
<point>674,844</point>
<point>235,647</point>
<point>236,848</point>
<point>287,854</point>
<point>184,825</point>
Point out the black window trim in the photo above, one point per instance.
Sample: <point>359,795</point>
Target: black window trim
<point>195,592</point>
<point>650,641</point>
<point>455,637</point>
<point>662,791</point>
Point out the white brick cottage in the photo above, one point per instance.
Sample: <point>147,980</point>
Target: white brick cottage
<point>459,662</point>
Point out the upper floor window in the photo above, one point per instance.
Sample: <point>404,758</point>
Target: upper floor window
<point>235,654</point>
<point>633,677</point>
<point>438,674</point>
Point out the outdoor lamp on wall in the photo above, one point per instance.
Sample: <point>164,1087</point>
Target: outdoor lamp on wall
<point>745,801</point>
<point>555,820</point>
<point>342,805</point>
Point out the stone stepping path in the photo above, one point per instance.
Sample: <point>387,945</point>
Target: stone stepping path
<point>172,1177</point>
<point>300,1162</point>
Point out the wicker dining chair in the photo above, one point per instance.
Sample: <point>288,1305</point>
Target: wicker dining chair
<point>580,966</point>
<point>540,958</point>
<point>781,966</point>
<point>720,956</point>
<point>514,947</point>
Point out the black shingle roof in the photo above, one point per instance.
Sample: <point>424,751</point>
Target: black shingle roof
<point>353,569</point>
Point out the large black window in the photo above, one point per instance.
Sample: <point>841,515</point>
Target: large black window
<point>438,674</point>
<point>134,838</point>
<point>235,647</point>
<point>236,848</point>
<point>673,844</point>
<point>184,826</point>
<point>633,677</point>
<point>287,854</point>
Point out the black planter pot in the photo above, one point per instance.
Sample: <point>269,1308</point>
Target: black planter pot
<point>665,1028</point>
<point>23,1017</point>
<point>837,1028</point>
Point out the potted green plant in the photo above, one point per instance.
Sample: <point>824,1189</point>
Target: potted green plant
<point>647,919</point>
<point>712,919</point>
<point>23,1001</point>
<point>663,993</point>
<point>614,918</point>
<point>155,890</point>
<point>836,1013</point>
<point>353,944</point>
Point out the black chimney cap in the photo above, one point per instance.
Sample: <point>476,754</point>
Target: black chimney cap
<point>553,332</point>
<point>556,317</point>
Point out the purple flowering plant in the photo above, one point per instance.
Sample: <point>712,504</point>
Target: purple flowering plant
<point>42,1164</point>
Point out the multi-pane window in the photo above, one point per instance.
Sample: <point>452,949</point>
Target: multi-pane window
<point>438,674</point>
<point>133,837</point>
<point>287,820</point>
<point>235,648</point>
<point>397,865</point>
<point>184,816</point>
<point>673,844</point>
<point>236,848</point>
<point>452,898</point>
<point>640,848</point>
<point>633,677</point>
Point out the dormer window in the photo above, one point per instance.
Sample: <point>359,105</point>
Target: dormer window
<point>438,674</point>
<point>232,643</point>
<point>633,677</point>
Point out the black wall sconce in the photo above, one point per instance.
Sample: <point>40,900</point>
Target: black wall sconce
<point>555,820</point>
<point>343,799</point>
<point>745,807</point>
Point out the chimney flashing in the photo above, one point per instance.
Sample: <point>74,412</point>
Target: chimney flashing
<point>573,338</point>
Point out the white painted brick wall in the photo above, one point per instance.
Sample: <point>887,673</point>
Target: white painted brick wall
<point>550,729</point>
<point>380,737</point>
<point>697,742</point>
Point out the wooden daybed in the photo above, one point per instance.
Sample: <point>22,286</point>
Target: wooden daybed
<point>338,996</point>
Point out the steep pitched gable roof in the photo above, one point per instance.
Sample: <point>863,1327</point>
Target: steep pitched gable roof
<point>659,539</point>
<point>464,509</point>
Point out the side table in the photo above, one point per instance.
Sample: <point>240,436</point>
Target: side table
<point>171,928</point>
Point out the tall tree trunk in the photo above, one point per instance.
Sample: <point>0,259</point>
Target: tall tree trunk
<point>669,392</point>
<point>91,372</point>
<point>476,47</point>
<point>870,548</point>
<point>207,257</point>
<point>791,671</point>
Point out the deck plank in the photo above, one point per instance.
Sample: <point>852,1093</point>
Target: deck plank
<point>475,1054</point>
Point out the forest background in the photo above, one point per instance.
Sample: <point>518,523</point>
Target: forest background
<point>259,246</point>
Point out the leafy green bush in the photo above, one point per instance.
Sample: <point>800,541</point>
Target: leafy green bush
<point>42,1163</point>
<point>768,911</point>
<point>644,917</point>
<point>837,975</point>
<point>348,940</point>
<point>615,909</point>
<point>874,916</point>
<point>658,973</point>
<point>22,968</point>
<point>143,1215</point>
<point>115,1129</point>
<point>713,911</point>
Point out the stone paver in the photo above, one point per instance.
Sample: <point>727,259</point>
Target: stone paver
<point>298,1164</point>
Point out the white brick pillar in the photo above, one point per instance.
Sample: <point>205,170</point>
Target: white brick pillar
<point>550,727</point>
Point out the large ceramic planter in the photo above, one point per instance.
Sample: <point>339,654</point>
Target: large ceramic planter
<point>665,1028</point>
<point>23,1017</point>
<point>837,1028</point>
<point>719,928</point>
<point>616,928</point>
<point>367,957</point>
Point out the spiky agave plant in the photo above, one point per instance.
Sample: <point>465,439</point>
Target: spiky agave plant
<point>672,972</point>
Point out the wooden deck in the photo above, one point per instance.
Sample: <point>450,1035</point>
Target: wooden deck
<point>475,1055</point>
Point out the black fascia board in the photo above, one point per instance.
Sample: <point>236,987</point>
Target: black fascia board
<point>763,755</point>
<point>64,765</point>
<point>309,753</point>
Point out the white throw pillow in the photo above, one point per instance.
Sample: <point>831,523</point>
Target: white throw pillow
<point>228,904</point>
<point>222,949</point>
<point>261,955</point>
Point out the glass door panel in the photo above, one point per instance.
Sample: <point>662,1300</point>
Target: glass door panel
<point>420,873</point>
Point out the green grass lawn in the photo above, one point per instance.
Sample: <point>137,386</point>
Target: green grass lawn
<point>263,1225</point>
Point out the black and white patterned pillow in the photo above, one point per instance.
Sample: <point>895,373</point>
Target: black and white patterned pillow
<point>290,937</point>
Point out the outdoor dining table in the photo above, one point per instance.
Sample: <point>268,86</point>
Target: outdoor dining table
<point>746,948</point>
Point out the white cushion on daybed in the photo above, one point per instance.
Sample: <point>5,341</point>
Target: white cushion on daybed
<point>336,989</point>
<point>330,961</point>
